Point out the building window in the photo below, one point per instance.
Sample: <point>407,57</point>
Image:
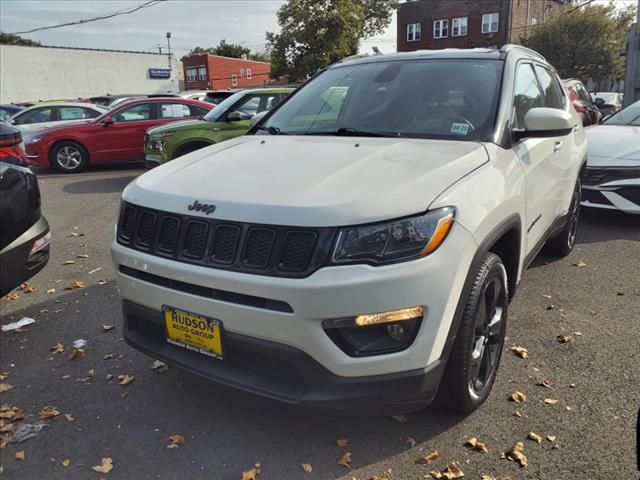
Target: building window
<point>535,20</point>
<point>242,73</point>
<point>490,22</point>
<point>202,73</point>
<point>414,32</point>
<point>441,29</point>
<point>459,27</point>
<point>249,73</point>
<point>234,80</point>
<point>192,74</point>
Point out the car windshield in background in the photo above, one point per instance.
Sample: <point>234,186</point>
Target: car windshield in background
<point>452,99</point>
<point>627,116</point>
<point>219,110</point>
<point>607,97</point>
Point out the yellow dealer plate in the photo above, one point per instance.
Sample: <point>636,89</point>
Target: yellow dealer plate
<point>194,332</point>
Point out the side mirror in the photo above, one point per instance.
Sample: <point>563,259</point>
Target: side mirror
<point>107,121</point>
<point>546,122</point>
<point>234,117</point>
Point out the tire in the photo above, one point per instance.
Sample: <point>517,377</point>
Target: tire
<point>188,148</point>
<point>475,355</point>
<point>562,244</point>
<point>69,157</point>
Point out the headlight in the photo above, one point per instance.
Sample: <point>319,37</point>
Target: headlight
<point>402,239</point>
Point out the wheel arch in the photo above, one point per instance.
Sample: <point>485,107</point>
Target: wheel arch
<point>187,144</point>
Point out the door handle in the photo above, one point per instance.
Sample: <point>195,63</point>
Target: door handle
<point>558,146</point>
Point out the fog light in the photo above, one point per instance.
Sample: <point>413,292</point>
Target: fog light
<point>40,243</point>
<point>396,331</point>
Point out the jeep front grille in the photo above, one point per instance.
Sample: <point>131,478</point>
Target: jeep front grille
<point>252,248</point>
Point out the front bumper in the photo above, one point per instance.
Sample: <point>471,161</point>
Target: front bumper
<point>151,162</point>
<point>17,264</point>
<point>282,372</point>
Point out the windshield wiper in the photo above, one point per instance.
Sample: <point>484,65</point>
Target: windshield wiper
<point>353,132</point>
<point>272,130</point>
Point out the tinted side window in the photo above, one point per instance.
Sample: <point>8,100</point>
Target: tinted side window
<point>174,110</point>
<point>527,94</point>
<point>136,113</point>
<point>553,96</point>
<point>36,116</point>
<point>198,111</point>
<point>75,113</point>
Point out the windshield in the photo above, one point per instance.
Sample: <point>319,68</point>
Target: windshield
<point>630,115</point>
<point>453,99</point>
<point>608,97</point>
<point>219,110</point>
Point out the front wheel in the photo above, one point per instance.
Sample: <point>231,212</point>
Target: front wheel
<point>475,355</point>
<point>562,245</point>
<point>69,157</point>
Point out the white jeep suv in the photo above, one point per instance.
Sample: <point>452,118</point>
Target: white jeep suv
<point>359,247</point>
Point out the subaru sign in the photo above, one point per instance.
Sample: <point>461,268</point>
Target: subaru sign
<point>159,73</point>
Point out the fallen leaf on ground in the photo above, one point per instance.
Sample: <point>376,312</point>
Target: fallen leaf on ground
<point>26,288</point>
<point>520,351</point>
<point>544,383</point>
<point>580,264</point>
<point>90,373</point>
<point>4,376</point>
<point>535,437</point>
<point>49,412</point>
<point>65,377</point>
<point>51,290</point>
<point>125,379</point>
<point>75,353</point>
<point>108,356</point>
<point>555,447</point>
<point>82,256</point>
<point>550,401</point>
<point>546,295</point>
<point>487,477</point>
<point>6,428</point>
<point>518,397</point>
<point>551,438</point>
<point>5,387</point>
<point>57,348</point>
<point>517,414</point>
<point>159,366</point>
<point>306,467</point>
<point>66,462</point>
<point>11,413</point>
<point>69,417</point>
<point>20,455</point>
<point>474,444</point>
<point>400,418</point>
<point>69,262</point>
<point>516,454</point>
<point>250,474</point>
<point>577,334</point>
<point>175,440</point>
<point>107,328</point>
<point>12,297</point>
<point>428,458</point>
<point>75,285</point>
<point>106,465</point>
<point>345,460</point>
<point>109,376</point>
<point>450,471</point>
<point>342,442</point>
<point>565,338</point>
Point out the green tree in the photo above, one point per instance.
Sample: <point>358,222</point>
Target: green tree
<point>584,42</point>
<point>11,39</point>
<point>233,50</point>
<point>316,33</point>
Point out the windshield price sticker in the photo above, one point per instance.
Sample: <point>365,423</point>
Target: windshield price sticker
<point>460,128</point>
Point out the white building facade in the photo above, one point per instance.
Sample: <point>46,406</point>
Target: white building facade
<point>53,73</point>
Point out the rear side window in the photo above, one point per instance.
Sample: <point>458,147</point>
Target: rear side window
<point>36,116</point>
<point>553,95</point>
<point>198,111</point>
<point>76,113</point>
<point>174,110</point>
<point>527,94</point>
<point>135,113</point>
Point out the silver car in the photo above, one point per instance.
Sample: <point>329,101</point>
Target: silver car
<point>39,117</point>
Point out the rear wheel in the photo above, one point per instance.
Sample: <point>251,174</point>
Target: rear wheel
<point>475,355</point>
<point>563,244</point>
<point>69,157</point>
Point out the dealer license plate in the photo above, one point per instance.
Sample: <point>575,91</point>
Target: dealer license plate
<point>194,332</point>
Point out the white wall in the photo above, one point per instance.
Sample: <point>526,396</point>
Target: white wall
<point>50,73</point>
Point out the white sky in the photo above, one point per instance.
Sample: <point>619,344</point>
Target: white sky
<point>191,23</point>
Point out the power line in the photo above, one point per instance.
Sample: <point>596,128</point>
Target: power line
<point>147,4</point>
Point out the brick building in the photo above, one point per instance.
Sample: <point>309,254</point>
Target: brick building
<point>209,72</point>
<point>436,24</point>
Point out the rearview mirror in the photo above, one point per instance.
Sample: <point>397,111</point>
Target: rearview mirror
<point>107,121</point>
<point>546,122</point>
<point>234,117</point>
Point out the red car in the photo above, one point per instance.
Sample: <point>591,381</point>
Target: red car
<point>116,136</point>
<point>582,102</point>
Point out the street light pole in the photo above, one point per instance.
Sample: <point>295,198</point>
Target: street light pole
<point>169,47</point>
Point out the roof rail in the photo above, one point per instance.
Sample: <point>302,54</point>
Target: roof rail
<point>512,46</point>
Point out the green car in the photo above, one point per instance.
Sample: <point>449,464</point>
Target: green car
<point>230,118</point>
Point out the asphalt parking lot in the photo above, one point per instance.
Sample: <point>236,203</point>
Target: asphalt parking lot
<point>592,297</point>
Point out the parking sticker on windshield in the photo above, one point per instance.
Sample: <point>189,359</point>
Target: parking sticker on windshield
<point>460,128</point>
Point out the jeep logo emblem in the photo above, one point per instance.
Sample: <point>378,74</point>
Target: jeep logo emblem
<point>202,207</point>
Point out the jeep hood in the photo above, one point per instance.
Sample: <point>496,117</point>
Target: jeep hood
<point>181,126</point>
<point>613,146</point>
<point>309,181</point>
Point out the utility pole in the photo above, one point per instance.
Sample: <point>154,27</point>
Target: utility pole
<point>160,49</point>
<point>169,48</point>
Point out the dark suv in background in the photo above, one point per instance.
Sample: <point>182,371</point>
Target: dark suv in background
<point>581,101</point>
<point>24,236</point>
